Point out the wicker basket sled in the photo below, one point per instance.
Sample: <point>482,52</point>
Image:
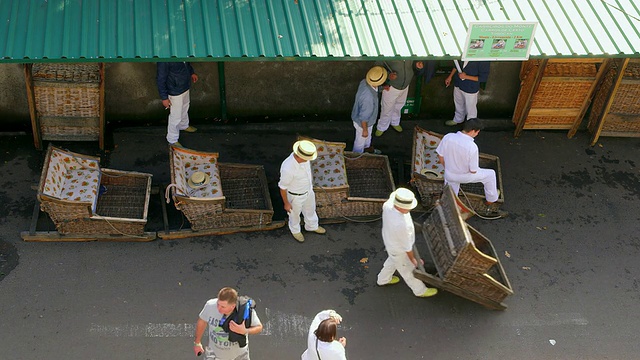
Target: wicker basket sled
<point>66,101</point>
<point>616,106</point>
<point>349,185</point>
<point>556,93</point>
<point>467,263</point>
<point>235,200</point>
<point>427,175</point>
<point>86,202</point>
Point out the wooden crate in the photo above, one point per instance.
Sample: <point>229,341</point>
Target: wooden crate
<point>66,102</point>
<point>616,106</point>
<point>555,94</point>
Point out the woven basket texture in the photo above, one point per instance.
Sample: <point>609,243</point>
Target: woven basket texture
<point>627,102</point>
<point>570,69</point>
<point>463,257</point>
<point>126,196</point>
<point>72,73</point>
<point>246,200</point>
<point>564,87</point>
<point>623,117</point>
<point>600,98</point>
<point>559,94</point>
<point>66,101</point>
<point>124,203</point>
<point>369,177</point>
<point>632,71</point>
<point>100,226</point>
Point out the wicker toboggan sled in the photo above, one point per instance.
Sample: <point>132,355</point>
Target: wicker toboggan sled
<point>349,185</point>
<point>87,202</point>
<point>235,200</point>
<point>466,262</point>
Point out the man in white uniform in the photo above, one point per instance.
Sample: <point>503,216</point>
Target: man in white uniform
<point>296,189</point>
<point>458,153</point>
<point>215,314</point>
<point>399,236</point>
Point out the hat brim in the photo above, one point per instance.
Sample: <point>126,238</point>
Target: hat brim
<point>207,179</point>
<point>296,150</point>
<point>377,83</point>
<point>431,174</point>
<point>405,206</point>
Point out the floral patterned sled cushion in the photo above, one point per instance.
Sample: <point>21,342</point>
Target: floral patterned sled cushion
<point>186,162</point>
<point>72,177</point>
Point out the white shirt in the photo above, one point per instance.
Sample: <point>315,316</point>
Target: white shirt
<point>295,177</point>
<point>328,350</point>
<point>460,153</point>
<point>398,232</point>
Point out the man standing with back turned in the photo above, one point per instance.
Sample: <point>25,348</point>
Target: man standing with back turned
<point>174,80</point>
<point>394,94</point>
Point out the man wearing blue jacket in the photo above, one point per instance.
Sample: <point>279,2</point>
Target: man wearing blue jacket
<point>174,80</point>
<point>365,108</point>
<point>466,88</point>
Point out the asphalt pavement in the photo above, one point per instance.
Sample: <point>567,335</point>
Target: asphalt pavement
<point>570,248</point>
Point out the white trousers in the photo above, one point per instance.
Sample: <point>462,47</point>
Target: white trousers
<point>486,176</point>
<point>361,143</point>
<point>404,266</point>
<point>178,116</point>
<point>465,105</point>
<point>305,205</point>
<point>392,102</point>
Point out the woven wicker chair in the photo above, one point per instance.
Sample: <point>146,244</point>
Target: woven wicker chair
<point>427,174</point>
<point>82,198</point>
<point>237,195</point>
<point>347,184</point>
<point>467,263</point>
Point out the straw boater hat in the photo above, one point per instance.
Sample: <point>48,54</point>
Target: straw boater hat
<point>305,149</point>
<point>198,179</point>
<point>376,76</point>
<point>404,199</point>
<point>431,174</point>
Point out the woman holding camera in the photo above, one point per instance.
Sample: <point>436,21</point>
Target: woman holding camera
<point>322,343</point>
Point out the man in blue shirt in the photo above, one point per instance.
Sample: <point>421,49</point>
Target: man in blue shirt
<point>466,88</point>
<point>174,80</point>
<point>365,108</point>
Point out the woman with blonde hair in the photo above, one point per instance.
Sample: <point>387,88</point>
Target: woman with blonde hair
<point>322,343</point>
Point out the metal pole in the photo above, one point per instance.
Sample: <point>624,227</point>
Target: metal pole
<point>418,95</point>
<point>223,91</point>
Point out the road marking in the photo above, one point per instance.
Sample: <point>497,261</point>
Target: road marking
<point>276,323</point>
<point>144,330</point>
<point>525,320</point>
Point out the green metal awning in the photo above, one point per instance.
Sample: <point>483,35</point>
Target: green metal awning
<point>150,30</point>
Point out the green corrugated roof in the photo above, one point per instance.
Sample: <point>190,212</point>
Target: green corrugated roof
<point>148,30</point>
